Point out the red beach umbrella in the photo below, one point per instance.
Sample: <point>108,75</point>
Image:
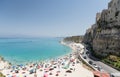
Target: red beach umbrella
<point>45,75</point>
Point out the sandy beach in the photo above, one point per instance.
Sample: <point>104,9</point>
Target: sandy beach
<point>65,66</point>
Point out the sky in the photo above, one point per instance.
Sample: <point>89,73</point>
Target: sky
<point>54,18</point>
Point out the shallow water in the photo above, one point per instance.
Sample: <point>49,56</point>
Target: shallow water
<point>19,51</point>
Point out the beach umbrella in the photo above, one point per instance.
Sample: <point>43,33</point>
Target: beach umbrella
<point>13,67</point>
<point>25,75</point>
<point>16,71</point>
<point>38,66</point>
<point>14,76</point>
<point>21,65</point>
<point>31,71</point>
<point>55,67</point>
<point>63,63</point>
<point>45,75</point>
<point>50,73</point>
<point>58,71</point>
<point>66,67</point>
<point>41,70</point>
<point>72,60</point>
<point>71,68</point>
<point>51,69</point>
<point>69,71</point>
<point>57,74</point>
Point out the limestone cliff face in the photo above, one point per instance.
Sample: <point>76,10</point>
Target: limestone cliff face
<point>104,35</point>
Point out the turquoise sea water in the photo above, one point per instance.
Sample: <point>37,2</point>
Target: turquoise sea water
<point>19,51</point>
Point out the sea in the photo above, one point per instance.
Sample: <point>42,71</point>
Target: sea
<point>27,50</point>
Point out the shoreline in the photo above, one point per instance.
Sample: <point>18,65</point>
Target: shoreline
<point>57,64</point>
<point>37,61</point>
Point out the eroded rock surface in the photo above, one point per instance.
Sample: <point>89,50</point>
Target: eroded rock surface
<point>104,35</point>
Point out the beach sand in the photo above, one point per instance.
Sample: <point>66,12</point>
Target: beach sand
<point>65,66</point>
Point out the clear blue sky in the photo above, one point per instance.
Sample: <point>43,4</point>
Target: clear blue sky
<point>48,17</point>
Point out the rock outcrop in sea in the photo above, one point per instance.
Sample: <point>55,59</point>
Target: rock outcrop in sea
<point>104,35</point>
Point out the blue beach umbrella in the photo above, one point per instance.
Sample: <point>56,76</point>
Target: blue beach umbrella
<point>21,65</point>
<point>13,67</point>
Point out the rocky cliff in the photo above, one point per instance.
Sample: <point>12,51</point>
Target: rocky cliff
<point>104,35</point>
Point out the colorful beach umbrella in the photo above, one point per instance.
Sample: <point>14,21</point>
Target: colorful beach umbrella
<point>45,75</point>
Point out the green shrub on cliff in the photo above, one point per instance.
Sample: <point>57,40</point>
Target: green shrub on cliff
<point>113,61</point>
<point>76,39</point>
